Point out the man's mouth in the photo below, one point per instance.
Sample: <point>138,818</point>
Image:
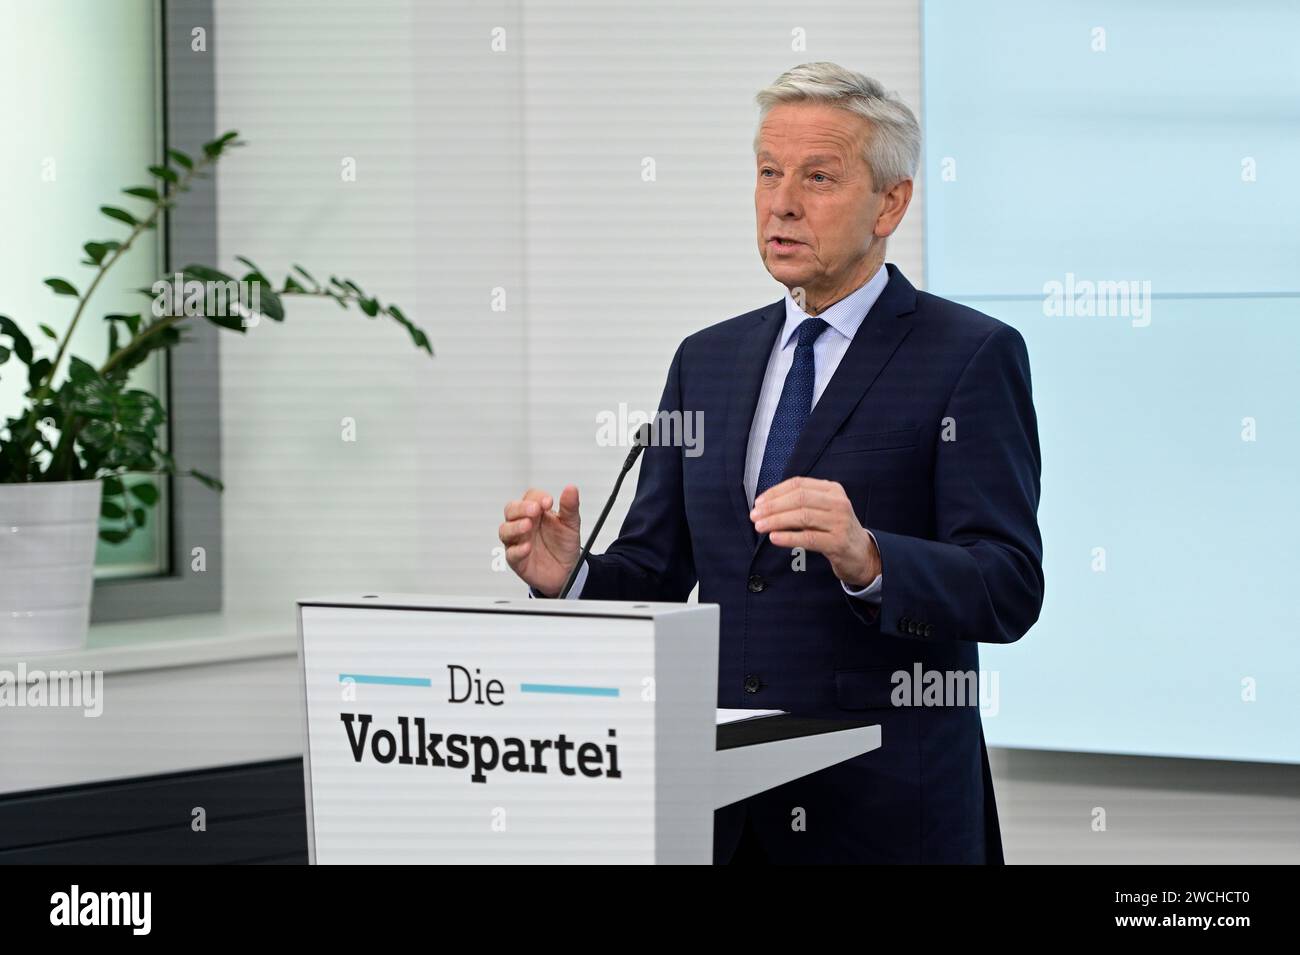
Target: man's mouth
<point>782,243</point>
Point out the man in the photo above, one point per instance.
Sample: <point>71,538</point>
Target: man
<point>865,508</point>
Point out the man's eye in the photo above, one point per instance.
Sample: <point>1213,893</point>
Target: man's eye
<point>820,177</point>
<point>765,171</point>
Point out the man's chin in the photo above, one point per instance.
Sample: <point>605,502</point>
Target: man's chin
<point>789,276</point>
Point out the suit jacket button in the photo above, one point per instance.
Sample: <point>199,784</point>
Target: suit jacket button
<point>756,583</point>
<point>903,622</point>
<point>752,684</point>
<point>929,630</point>
<point>911,627</point>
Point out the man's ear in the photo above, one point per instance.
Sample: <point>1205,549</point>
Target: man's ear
<point>896,199</point>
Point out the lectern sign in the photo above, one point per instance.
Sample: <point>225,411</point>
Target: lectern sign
<point>447,734</point>
<point>480,755</point>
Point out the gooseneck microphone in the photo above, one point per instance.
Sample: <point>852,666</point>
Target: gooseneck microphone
<point>639,442</point>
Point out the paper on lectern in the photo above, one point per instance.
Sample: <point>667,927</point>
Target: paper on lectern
<point>732,716</point>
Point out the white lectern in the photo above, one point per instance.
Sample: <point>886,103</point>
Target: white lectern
<point>482,730</point>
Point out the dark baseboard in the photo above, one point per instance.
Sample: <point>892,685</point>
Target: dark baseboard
<point>254,813</point>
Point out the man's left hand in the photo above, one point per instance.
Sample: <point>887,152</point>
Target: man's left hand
<point>818,515</point>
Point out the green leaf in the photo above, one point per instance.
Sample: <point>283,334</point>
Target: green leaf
<point>132,322</point>
<point>268,302</point>
<point>145,492</point>
<point>207,481</point>
<point>370,306</point>
<point>420,339</point>
<point>181,159</point>
<point>113,487</point>
<point>138,515</point>
<point>111,510</point>
<point>144,192</point>
<point>251,264</point>
<point>136,353</point>
<point>292,286</point>
<point>81,370</point>
<point>4,354</point>
<point>22,347</point>
<point>135,448</point>
<point>144,409</point>
<point>205,274</point>
<point>50,333</point>
<point>213,149</point>
<point>96,251</point>
<point>62,287</point>
<point>307,275</point>
<point>121,215</point>
<point>232,322</point>
<point>113,536</point>
<point>36,372</point>
<point>163,172</point>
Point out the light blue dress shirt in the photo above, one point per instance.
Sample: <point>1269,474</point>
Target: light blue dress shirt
<point>844,318</point>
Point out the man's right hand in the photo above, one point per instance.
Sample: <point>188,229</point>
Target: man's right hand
<point>542,546</point>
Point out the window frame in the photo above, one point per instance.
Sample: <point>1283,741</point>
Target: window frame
<point>188,87</point>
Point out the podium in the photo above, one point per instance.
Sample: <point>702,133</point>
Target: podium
<point>442,729</point>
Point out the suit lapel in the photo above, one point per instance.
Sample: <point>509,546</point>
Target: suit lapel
<point>875,342</point>
<point>747,377</point>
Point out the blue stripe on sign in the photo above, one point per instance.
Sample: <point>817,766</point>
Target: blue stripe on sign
<point>386,680</point>
<point>571,690</point>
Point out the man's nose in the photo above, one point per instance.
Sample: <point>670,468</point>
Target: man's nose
<point>786,202</point>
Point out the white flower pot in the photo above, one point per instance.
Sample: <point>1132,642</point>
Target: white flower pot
<point>47,564</point>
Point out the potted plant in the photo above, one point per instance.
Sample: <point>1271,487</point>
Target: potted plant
<point>68,457</point>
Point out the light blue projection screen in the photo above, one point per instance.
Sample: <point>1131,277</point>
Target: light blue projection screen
<point>1121,182</point>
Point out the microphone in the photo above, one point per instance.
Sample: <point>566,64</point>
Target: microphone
<point>639,442</point>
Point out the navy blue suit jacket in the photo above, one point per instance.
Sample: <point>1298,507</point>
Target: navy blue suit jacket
<point>929,425</point>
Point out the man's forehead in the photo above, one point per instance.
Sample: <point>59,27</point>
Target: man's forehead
<point>811,133</point>
<point>813,158</point>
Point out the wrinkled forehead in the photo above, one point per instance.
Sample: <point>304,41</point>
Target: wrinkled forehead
<point>811,133</point>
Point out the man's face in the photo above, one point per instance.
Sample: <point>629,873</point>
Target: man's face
<point>814,190</point>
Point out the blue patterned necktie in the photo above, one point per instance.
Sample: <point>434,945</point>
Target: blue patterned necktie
<point>793,408</point>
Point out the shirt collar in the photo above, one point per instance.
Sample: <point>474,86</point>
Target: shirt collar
<point>845,316</point>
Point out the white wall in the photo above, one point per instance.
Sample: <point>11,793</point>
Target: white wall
<point>522,170</point>
<point>433,222</point>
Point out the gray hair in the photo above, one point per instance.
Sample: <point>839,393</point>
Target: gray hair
<point>892,153</point>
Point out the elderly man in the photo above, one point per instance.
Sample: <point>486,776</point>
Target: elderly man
<point>865,509</point>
